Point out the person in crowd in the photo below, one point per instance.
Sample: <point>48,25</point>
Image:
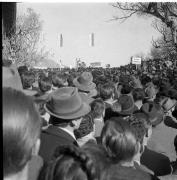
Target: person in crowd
<point>45,86</point>
<point>28,78</point>
<point>66,110</point>
<point>150,92</point>
<point>21,136</point>
<point>70,163</point>
<point>138,97</point>
<point>172,176</point>
<point>117,172</point>
<point>59,80</point>
<point>86,130</point>
<point>98,109</point>
<point>107,93</point>
<point>169,106</point>
<point>85,84</point>
<point>127,106</point>
<point>120,143</point>
<point>156,162</point>
<point>162,136</point>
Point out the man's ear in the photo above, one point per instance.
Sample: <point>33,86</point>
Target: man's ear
<point>36,147</point>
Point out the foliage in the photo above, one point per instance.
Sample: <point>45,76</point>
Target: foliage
<point>22,47</point>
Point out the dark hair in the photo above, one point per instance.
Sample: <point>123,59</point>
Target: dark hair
<point>138,94</point>
<point>119,140</point>
<point>21,129</point>
<point>45,84</point>
<point>137,122</point>
<point>86,126</point>
<point>69,163</point>
<point>59,80</point>
<point>126,89</point>
<point>106,91</point>
<point>55,121</point>
<point>97,107</point>
<point>27,78</point>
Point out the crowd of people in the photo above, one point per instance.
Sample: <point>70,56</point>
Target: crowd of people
<point>90,123</point>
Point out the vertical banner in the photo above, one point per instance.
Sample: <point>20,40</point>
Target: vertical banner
<point>61,40</point>
<point>92,43</point>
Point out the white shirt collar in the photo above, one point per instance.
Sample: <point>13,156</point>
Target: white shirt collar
<point>69,132</point>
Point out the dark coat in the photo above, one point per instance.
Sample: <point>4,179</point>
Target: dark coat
<point>157,162</point>
<point>51,138</point>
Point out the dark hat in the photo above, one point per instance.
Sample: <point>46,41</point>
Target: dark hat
<point>66,103</point>
<point>11,78</point>
<point>154,112</point>
<point>127,104</point>
<point>84,82</point>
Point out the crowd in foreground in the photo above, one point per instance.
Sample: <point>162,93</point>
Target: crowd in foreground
<point>90,124</point>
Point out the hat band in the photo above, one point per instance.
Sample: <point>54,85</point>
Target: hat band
<point>129,109</point>
<point>166,110</point>
<point>67,113</point>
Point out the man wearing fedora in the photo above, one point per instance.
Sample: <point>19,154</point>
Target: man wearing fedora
<point>66,109</point>
<point>162,136</point>
<point>86,86</point>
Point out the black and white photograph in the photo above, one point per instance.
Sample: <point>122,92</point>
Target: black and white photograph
<point>89,90</point>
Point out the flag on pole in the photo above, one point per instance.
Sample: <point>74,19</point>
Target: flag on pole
<point>61,40</point>
<point>92,39</point>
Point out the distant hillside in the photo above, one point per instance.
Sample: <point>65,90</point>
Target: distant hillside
<point>48,63</point>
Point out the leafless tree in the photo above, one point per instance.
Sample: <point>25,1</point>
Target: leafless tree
<point>22,46</point>
<point>166,12</point>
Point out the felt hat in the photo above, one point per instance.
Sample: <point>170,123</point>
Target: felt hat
<point>169,104</point>
<point>127,104</point>
<point>150,92</point>
<point>154,112</point>
<point>11,78</point>
<point>84,82</point>
<point>66,103</point>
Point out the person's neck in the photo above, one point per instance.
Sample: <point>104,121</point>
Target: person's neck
<point>110,101</point>
<point>22,175</point>
<point>137,157</point>
<point>127,163</point>
<point>138,104</point>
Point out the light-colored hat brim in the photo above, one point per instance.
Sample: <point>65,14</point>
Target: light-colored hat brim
<point>166,110</point>
<point>82,87</point>
<point>85,109</point>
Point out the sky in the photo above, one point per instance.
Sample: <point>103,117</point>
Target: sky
<point>115,42</point>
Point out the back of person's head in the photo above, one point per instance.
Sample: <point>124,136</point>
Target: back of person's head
<point>69,163</point>
<point>145,79</point>
<point>21,130</point>
<point>126,89</point>
<point>59,80</point>
<point>138,94</point>
<point>86,126</point>
<point>107,91</point>
<point>98,107</point>
<point>119,140</point>
<point>45,84</point>
<point>27,78</point>
<point>137,122</point>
